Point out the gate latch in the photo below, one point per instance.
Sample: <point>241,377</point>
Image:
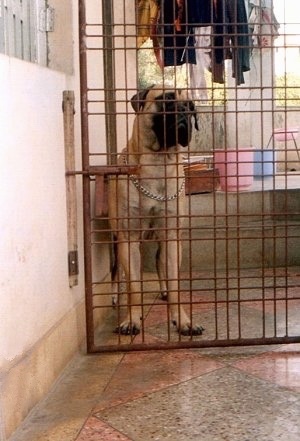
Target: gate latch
<point>73,263</point>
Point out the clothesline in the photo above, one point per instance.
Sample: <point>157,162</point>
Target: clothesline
<point>205,33</point>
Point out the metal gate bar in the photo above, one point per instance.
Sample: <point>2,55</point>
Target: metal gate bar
<point>228,296</point>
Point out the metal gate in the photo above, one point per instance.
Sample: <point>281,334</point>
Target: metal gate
<point>224,204</point>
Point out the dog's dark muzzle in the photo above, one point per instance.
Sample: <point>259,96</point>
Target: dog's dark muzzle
<point>172,123</point>
<point>184,129</point>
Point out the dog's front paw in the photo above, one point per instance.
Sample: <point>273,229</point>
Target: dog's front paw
<point>188,329</point>
<point>191,330</point>
<point>164,296</point>
<point>128,328</point>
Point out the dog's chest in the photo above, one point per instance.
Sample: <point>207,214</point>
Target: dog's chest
<point>157,190</point>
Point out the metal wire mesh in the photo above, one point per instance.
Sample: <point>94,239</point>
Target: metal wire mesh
<point>231,257</point>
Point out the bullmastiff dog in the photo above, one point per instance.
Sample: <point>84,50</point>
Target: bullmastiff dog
<point>153,200</point>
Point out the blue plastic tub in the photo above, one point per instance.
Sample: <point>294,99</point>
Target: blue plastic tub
<point>264,162</point>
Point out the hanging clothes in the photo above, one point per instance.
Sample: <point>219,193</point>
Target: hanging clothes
<point>231,40</point>
<point>238,32</point>
<point>148,11</point>
<point>197,81</point>
<point>148,16</point>
<point>199,18</point>
<point>178,21</point>
<point>263,24</point>
<point>177,37</point>
<point>199,12</point>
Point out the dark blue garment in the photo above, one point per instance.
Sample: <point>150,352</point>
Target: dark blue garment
<point>178,46</point>
<point>231,37</point>
<point>199,12</point>
<point>231,40</point>
<point>238,31</point>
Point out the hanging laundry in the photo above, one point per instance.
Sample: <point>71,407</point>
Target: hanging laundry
<point>238,32</point>
<point>147,17</point>
<point>231,40</point>
<point>197,81</point>
<point>177,37</point>
<point>199,12</point>
<point>199,18</point>
<point>178,19</point>
<point>263,24</point>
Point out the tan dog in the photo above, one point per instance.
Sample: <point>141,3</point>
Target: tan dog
<point>154,199</point>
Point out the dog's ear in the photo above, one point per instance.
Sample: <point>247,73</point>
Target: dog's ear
<point>194,113</point>
<point>138,100</point>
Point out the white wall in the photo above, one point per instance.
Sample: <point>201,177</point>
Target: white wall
<point>34,283</point>
<point>41,317</point>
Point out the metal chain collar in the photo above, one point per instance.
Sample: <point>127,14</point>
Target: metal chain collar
<point>151,195</point>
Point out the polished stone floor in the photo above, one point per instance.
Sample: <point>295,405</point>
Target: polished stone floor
<point>237,394</point>
<point>210,394</point>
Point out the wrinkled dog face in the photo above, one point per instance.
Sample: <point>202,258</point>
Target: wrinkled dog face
<point>170,113</point>
<point>172,121</point>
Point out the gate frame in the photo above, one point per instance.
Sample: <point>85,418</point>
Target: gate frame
<point>88,171</point>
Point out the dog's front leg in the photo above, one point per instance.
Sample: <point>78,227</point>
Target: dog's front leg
<point>130,259</point>
<point>178,315</point>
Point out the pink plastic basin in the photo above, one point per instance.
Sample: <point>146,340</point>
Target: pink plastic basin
<point>235,168</point>
<point>286,134</point>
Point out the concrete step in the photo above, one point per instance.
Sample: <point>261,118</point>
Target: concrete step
<point>223,208</point>
<point>246,230</point>
<point>271,243</point>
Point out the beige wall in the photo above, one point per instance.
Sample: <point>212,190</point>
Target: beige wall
<point>41,317</point>
<point>35,294</point>
<point>60,41</point>
<point>287,158</point>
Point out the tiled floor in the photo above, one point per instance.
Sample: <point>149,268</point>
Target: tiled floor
<point>213,394</point>
<point>237,394</point>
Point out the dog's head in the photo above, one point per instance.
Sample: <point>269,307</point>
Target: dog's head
<point>167,113</point>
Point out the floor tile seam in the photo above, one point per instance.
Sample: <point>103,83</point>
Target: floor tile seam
<point>50,395</point>
<point>62,377</point>
<point>90,402</point>
<point>94,415</point>
<point>247,357</point>
<point>30,419</point>
<point>159,389</point>
<point>107,424</point>
<point>238,357</point>
<point>279,349</point>
<point>83,425</point>
<point>265,353</point>
<point>68,371</point>
<point>114,371</point>
<point>266,381</point>
<point>90,415</point>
